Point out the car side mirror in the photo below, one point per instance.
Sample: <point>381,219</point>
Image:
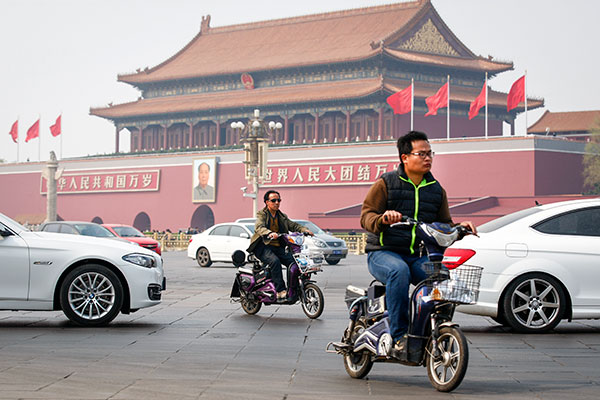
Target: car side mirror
<point>244,235</point>
<point>5,232</point>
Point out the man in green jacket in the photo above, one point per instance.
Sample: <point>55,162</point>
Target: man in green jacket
<point>270,224</point>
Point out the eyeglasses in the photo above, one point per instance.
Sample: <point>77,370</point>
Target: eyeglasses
<point>275,200</point>
<point>424,154</point>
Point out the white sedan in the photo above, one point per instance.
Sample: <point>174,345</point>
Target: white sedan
<point>91,279</point>
<point>219,242</point>
<point>540,265</point>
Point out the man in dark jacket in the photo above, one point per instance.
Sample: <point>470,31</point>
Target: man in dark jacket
<point>270,223</point>
<point>393,253</point>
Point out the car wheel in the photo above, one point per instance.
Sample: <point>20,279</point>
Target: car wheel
<point>203,257</point>
<point>534,303</point>
<point>91,295</point>
<point>332,261</point>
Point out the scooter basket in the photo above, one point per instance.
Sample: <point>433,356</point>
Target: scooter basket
<point>460,285</point>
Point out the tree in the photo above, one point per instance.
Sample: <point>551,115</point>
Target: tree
<point>591,161</point>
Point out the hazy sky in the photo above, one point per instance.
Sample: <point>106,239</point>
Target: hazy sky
<point>63,56</point>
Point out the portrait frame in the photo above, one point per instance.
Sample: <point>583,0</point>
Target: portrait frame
<point>206,194</point>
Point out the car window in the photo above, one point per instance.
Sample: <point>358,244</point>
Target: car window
<point>51,228</point>
<point>585,222</point>
<point>507,219</point>
<point>220,230</point>
<point>236,231</point>
<point>250,228</point>
<point>66,229</point>
<point>127,231</point>
<point>314,228</point>
<point>93,230</point>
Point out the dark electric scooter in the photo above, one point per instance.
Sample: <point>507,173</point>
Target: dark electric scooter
<point>434,340</point>
<point>253,288</point>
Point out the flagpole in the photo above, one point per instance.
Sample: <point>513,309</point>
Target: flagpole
<point>61,135</point>
<point>412,101</point>
<point>448,109</point>
<point>525,102</point>
<point>17,141</point>
<point>39,138</point>
<point>486,105</point>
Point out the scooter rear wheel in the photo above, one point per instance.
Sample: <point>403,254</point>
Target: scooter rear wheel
<point>447,370</point>
<point>250,306</point>
<point>357,365</point>
<point>313,301</point>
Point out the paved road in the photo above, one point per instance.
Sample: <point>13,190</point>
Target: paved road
<point>198,345</point>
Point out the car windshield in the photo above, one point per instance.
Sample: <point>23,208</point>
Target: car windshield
<point>93,230</point>
<point>127,231</point>
<point>314,228</point>
<point>507,219</point>
<point>250,227</point>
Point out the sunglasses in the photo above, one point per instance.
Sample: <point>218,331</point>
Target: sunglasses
<point>275,200</point>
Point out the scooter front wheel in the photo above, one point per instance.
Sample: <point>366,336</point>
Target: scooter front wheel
<point>447,364</point>
<point>251,306</point>
<point>313,301</point>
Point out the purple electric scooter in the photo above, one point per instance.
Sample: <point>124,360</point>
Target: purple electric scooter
<point>253,288</point>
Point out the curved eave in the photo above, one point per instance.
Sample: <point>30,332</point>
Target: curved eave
<point>297,94</point>
<point>476,64</point>
<point>252,69</point>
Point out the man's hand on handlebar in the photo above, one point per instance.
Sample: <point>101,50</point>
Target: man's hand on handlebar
<point>391,217</point>
<point>309,233</point>
<point>470,226</point>
<point>273,235</point>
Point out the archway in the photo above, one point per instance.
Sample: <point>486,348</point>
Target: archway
<point>203,218</point>
<point>97,220</point>
<point>142,222</point>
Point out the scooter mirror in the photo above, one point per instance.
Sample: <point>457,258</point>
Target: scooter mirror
<point>239,258</point>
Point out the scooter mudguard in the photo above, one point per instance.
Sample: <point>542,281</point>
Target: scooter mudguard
<point>422,306</point>
<point>235,289</point>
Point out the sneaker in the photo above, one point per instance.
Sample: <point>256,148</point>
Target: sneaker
<point>281,295</point>
<point>399,350</point>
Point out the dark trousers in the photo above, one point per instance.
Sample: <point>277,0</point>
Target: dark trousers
<point>273,256</point>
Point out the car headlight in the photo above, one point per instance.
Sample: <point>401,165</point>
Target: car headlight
<point>142,260</point>
<point>319,243</point>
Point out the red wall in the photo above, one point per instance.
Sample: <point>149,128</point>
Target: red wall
<point>494,171</point>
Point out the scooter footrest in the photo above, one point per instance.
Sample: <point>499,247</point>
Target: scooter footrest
<point>338,347</point>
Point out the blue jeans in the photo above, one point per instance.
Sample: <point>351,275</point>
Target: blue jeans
<point>397,272</point>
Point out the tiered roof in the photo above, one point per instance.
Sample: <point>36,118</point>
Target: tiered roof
<point>411,32</point>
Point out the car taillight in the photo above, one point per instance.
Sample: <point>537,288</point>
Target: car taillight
<point>456,257</point>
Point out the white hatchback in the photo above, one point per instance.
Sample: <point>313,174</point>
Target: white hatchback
<point>91,279</point>
<point>540,265</point>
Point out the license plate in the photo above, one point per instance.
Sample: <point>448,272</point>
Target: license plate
<point>337,252</point>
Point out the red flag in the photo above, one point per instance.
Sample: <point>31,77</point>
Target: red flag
<point>516,94</point>
<point>438,100</point>
<point>14,131</point>
<point>55,129</point>
<point>33,132</point>
<point>401,102</point>
<point>477,103</point>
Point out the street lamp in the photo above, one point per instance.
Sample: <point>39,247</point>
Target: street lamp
<point>255,138</point>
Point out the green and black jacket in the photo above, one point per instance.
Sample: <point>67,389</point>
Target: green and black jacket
<point>425,202</point>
